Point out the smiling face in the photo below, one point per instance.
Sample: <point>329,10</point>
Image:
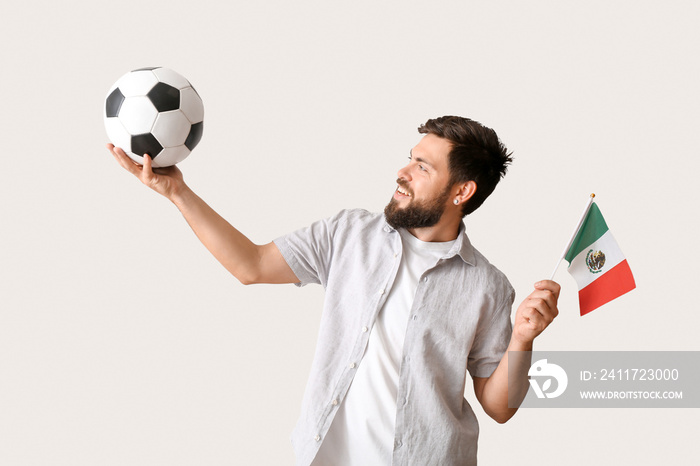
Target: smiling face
<point>424,190</point>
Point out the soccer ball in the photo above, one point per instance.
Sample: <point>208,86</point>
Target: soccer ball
<point>154,111</point>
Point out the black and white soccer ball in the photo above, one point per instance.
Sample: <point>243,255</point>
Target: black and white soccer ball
<point>154,111</point>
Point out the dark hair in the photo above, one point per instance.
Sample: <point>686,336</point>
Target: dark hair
<point>476,155</point>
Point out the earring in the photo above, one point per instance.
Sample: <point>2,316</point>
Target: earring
<point>456,201</point>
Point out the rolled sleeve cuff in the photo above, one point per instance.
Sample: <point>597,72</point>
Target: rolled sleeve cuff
<point>286,250</point>
<point>484,370</point>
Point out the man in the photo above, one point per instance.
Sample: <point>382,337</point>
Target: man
<point>410,306</point>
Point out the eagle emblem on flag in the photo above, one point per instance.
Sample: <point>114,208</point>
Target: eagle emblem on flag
<point>595,260</point>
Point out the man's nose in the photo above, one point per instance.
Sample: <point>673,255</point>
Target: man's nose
<point>404,173</point>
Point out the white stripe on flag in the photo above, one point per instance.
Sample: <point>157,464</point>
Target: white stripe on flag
<point>613,256</point>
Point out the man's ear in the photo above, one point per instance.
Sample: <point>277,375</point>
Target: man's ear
<point>464,191</point>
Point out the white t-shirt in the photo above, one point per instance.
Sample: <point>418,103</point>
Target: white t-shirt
<point>362,432</point>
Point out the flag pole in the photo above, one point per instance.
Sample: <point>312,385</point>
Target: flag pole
<point>573,235</point>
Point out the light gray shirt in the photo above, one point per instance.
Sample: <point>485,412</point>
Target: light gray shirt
<point>460,320</point>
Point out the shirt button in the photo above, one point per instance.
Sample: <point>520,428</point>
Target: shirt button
<point>425,279</point>
<point>396,254</point>
<point>353,365</point>
<point>334,402</point>
<point>317,438</point>
<point>381,291</point>
<point>364,329</point>
<point>415,317</point>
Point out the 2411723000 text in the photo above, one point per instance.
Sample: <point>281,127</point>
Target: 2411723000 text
<point>631,375</point>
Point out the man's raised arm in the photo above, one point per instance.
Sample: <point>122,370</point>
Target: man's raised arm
<point>248,262</point>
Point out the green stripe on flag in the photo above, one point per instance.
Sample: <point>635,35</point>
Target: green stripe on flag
<point>592,228</point>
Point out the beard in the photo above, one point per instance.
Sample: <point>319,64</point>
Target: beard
<point>417,214</point>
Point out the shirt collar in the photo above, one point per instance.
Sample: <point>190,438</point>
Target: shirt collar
<point>462,247</point>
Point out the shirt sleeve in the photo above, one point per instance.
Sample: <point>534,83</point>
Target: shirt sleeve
<point>308,251</point>
<point>492,341</point>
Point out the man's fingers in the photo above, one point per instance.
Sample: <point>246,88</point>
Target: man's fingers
<point>547,296</point>
<point>542,307</point>
<point>535,319</point>
<point>147,174</point>
<point>539,309</point>
<point>124,160</point>
<point>160,180</point>
<point>549,285</point>
<point>147,163</point>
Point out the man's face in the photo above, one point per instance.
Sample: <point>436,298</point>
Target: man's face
<point>423,186</point>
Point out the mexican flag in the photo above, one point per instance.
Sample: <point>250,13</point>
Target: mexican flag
<point>597,264</point>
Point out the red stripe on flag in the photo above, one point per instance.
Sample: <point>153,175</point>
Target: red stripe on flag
<point>613,283</point>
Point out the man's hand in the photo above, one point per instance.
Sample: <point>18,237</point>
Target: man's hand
<point>535,313</point>
<point>166,181</point>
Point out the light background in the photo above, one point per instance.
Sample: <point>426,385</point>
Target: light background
<point>123,342</point>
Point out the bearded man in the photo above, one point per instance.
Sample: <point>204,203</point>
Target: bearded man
<point>411,306</point>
